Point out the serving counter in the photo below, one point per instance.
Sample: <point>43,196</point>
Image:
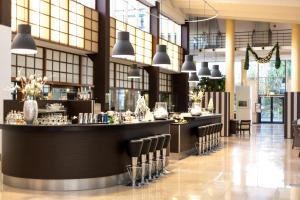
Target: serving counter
<point>70,157</point>
<point>184,135</point>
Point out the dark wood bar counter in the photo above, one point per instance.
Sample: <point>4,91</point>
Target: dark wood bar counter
<point>70,157</point>
<point>184,135</point>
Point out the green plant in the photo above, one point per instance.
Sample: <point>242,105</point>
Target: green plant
<point>212,85</point>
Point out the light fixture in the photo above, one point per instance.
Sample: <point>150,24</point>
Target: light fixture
<point>193,77</point>
<point>23,42</point>
<point>216,73</point>
<point>134,72</point>
<point>204,70</point>
<point>161,58</point>
<point>123,47</point>
<point>188,65</point>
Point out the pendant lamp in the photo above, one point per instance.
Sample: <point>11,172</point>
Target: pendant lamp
<point>188,65</point>
<point>23,42</point>
<point>161,58</point>
<point>204,70</point>
<point>134,72</point>
<point>123,47</point>
<point>216,73</point>
<point>193,77</point>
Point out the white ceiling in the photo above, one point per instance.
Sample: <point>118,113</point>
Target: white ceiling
<point>283,11</point>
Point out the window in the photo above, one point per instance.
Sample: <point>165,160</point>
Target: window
<point>165,88</point>
<point>123,91</point>
<point>26,65</point>
<point>87,71</point>
<point>61,21</point>
<point>131,12</point>
<point>88,3</point>
<point>140,40</point>
<point>170,31</point>
<point>62,67</point>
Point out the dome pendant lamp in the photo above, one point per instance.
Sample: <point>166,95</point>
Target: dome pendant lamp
<point>204,70</point>
<point>188,65</point>
<point>193,78</point>
<point>216,73</point>
<point>161,58</point>
<point>23,42</point>
<point>134,72</point>
<point>123,47</point>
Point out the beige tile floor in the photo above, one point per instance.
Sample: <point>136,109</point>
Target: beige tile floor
<point>260,167</point>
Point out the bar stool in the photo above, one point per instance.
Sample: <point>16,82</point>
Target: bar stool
<point>207,138</point>
<point>219,133</point>
<point>134,150</point>
<point>164,152</point>
<point>214,137</point>
<point>201,138</point>
<point>154,141</point>
<point>159,147</point>
<point>144,152</point>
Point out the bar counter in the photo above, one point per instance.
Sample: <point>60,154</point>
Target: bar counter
<point>184,135</point>
<point>70,157</point>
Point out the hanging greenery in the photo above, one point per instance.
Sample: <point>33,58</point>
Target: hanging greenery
<point>265,59</point>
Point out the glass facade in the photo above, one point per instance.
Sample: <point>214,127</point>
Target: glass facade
<point>170,30</point>
<point>131,12</point>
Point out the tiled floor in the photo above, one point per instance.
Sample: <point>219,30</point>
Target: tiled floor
<point>260,167</point>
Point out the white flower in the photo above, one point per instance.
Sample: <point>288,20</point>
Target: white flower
<point>18,78</point>
<point>45,79</point>
<point>31,77</point>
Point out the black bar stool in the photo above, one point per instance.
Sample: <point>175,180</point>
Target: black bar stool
<point>200,135</point>
<point>134,150</point>
<point>207,138</point>
<point>164,152</point>
<point>144,152</point>
<point>159,147</point>
<point>154,141</point>
<point>219,133</point>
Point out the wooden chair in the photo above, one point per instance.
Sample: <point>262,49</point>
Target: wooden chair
<point>245,125</point>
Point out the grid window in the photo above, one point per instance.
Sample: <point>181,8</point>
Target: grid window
<point>62,67</point>
<point>87,71</point>
<point>165,82</point>
<point>170,30</point>
<point>26,65</point>
<point>175,53</point>
<point>140,40</point>
<point>61,21</point>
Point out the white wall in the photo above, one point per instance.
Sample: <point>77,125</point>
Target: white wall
<point>5,68</point>
<point>243,93</point>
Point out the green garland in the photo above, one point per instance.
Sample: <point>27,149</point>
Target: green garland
<point>265,59</point>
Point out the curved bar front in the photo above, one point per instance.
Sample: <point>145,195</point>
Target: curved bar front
<point>70,157</point>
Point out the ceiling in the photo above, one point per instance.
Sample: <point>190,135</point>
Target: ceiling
<point>282,11</point>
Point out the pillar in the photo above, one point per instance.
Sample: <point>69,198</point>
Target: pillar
<point>5,56</point>
<point>295,79</point>
<point>244,80</point>
<point>229,59</point>
<point>101,59</point>
<point>154,71</point>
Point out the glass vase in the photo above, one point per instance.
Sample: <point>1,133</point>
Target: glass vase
<point>30,110</point>
<point>196,109</point>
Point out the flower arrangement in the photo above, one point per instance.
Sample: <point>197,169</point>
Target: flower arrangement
<point>196,95</point>
<point>141,108</point>
<point>32,86</point>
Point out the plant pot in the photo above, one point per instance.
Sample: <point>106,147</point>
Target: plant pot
<point>30,111</point>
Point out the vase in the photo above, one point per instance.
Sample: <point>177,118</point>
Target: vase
<point>196,108</point>
<point>30,110</point>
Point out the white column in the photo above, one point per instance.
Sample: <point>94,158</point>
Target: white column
<point>229,59</point>
<point>295,78</point>
<point>5,68</point>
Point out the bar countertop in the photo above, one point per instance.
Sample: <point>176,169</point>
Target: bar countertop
<point>78,156</point>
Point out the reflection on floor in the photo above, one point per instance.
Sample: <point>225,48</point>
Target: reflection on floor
<point>260,167</point>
